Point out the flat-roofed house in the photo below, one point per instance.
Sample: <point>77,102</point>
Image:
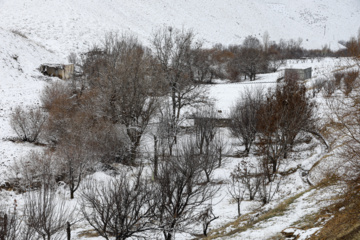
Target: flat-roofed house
<point>63,71</point>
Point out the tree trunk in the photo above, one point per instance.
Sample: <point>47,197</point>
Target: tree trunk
<point>220,157</point>
<point>274,166</point>
<point>207,176</point>
<point>238,206</point>
<point>155,157</point>
<point>4,233</point>
<point>167,236</point>
<point>206,225</point>
<point>68,231</point>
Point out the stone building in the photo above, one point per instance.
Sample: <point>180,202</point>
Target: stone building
<point>63,71</point>
<point>302,74</point>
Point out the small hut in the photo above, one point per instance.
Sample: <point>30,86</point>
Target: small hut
<point>63,71</point>
<point>302,74</point>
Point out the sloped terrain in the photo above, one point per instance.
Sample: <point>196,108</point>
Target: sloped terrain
<point>65,26</point>
<point>35,32</point>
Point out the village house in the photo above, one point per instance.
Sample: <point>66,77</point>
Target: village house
<point>302,74</point>
<point>63,71</point>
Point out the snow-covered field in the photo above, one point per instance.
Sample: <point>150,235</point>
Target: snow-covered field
<point>40,31</point>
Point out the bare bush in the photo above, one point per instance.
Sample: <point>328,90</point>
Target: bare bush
<point>46,214</point>
<point>249,176</point>
<point>27,124</point>
<point>35,170</point>
<point>349,81</point>
<point>53,95</point>
<point>318,85</point>
<point>338,77</point>
<point>11,224</point>
<point>123,208</point>
<point>329,87</point>
<point>268,189</point>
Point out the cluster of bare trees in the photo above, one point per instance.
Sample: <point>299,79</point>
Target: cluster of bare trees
<point>132,203</point>
<point>100,117</point>
<point>271,125</point>
<point>169,203</point>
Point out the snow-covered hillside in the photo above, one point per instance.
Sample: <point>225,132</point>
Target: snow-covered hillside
<point>20,85</point>
<point>65,26</point>
<point>33,32</point>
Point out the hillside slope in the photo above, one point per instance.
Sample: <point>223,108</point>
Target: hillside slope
<point>65,26</point>
<point>20,85</point>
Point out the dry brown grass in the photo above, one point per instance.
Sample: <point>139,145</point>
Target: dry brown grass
<point>246,222</point>
<point>88,234</point>
<point>345,223</point>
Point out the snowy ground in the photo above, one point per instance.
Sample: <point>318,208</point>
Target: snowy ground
<point>27,89</point>
<point>66,26</point>
<point>22,86</point>
<point>35,32</point>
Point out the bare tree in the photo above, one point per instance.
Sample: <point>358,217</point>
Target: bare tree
<point>244,118</point>
<point>206,217</point>
<point>123,208</point>
<point>124,76</point>
<point>275,56</point>
<point>202,66</point>
<point>210,161</point>
<point>237,189</point>
<point>27,124</point>
<point>285,114</point>
<point>167,130</point>
<point>221,146</point>
<point>266,41</point>
<point>74,162</point>
<point>268,189</point>
<point>344,118</point>
<point>205,128</point>
<point>252,58</point>
<point>249,176</point>
<point>181,191</point>
<point>174,51</point>
<point>46,214</point>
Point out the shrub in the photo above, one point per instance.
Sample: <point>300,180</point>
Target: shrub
<point>27,124</point>
<point>338,77</point>
<point>329,87</point>
<point>318,85</point>
<point>349,80</point>
<point>54,94</point>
